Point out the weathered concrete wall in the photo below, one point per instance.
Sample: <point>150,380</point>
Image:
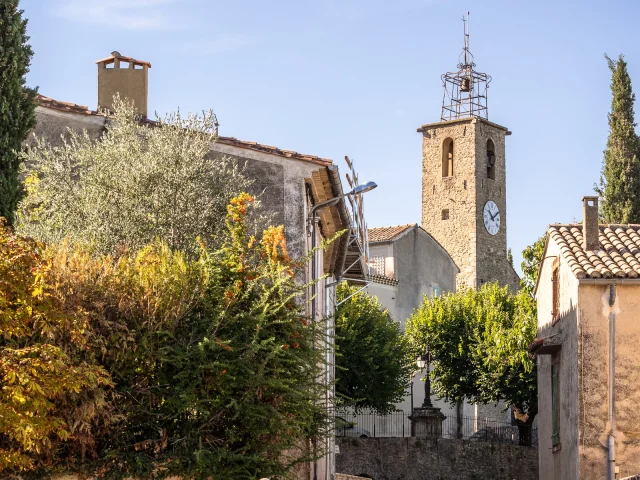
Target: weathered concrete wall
<point>481,257</point>
<point>584,376</point>
<point>53,125</point>
<point>441,459</point>
<point>594,373</point>
<point>563,463</point>
<point>420,265</point>
<point>282,181</point>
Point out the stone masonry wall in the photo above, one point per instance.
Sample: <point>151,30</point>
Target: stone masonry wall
<point>457,234</point>
<point>480,256</point>
<point>437,459</point>
<point>491,251</point>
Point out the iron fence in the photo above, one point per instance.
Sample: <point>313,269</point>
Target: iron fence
<point>398,424</point>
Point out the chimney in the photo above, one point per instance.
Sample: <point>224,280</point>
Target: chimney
<point>590,228</point>
<point>125,76</point>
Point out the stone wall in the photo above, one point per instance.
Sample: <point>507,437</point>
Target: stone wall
<point>481,257</point>
<point>441,459</point>
<point>454,194</point>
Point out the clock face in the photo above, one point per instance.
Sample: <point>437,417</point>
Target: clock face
<point>491,216</point>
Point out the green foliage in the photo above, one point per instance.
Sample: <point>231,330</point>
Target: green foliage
<point>372,367</point>
<point>212,362</point>
<point>136,183</point>
<point>17,102</point>
<point>620,179</point>
<point>531,258</point>
<point>478,341</point>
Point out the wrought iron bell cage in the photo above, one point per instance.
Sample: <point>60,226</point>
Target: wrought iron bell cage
<point>465,91</point>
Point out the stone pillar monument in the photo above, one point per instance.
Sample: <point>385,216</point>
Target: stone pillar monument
<point>426,421</point>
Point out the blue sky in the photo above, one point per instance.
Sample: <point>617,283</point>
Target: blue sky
<point>357,77</point>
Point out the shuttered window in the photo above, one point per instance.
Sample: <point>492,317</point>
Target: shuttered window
<point>555,406</point>
<point>555,295</point>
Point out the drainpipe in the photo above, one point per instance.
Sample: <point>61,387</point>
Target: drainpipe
<point>314,292</point>
<point>611,463</point>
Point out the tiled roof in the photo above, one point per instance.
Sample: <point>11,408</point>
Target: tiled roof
<point>386,234</point>
<point>48,102</point>
<point>274,150</point>
<point>618,256</point>
<point>111,58</point>
<point>383,280</point>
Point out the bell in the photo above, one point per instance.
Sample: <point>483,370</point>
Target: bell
<point>466,84</point>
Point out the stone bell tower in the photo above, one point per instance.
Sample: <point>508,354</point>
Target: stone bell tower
<point>464,179</point>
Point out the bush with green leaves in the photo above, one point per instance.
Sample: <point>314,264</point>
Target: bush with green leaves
<point>372,366</point>
<point>478,341</point>
<point>210,363</point>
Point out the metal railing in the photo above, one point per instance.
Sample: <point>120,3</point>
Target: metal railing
<point>398,424</point>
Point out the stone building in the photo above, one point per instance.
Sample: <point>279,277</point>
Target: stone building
<point>464,178</point>
<point>407,263</point>
<point>289,185</point>
<point>588,295</point>
<point>464,200</point>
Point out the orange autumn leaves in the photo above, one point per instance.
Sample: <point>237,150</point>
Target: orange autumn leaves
<point>40,340</point>
<point>246,255</point>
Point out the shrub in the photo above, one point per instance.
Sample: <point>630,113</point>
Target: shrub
<point>212,361</point>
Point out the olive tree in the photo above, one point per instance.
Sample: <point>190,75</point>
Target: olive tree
<point>139,181</point>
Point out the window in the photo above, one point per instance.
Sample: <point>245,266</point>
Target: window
<point>555,291</point>
<point>555,406</point>
<point>445,214</point>
<point>447,158</point>
<point>491,160</point>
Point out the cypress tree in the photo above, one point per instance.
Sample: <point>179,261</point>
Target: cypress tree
<point>17,102</point>
<point>620,178</point>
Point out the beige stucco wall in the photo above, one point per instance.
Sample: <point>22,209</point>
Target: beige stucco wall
<point>127,82</point>
<point>594,373</point>
<point>584,376</point>
<point>562,464</point>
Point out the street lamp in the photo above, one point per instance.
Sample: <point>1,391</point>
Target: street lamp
<point>423,361</point>
<point>332,201</point>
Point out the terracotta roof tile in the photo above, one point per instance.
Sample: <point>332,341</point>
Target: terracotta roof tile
<point>64,106</point>
<point>618,256</point>
<point>383,280</point>
<point>111,58</point>
<point>386,234</point>
<point>48,102</point>
<point>274,150</point>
